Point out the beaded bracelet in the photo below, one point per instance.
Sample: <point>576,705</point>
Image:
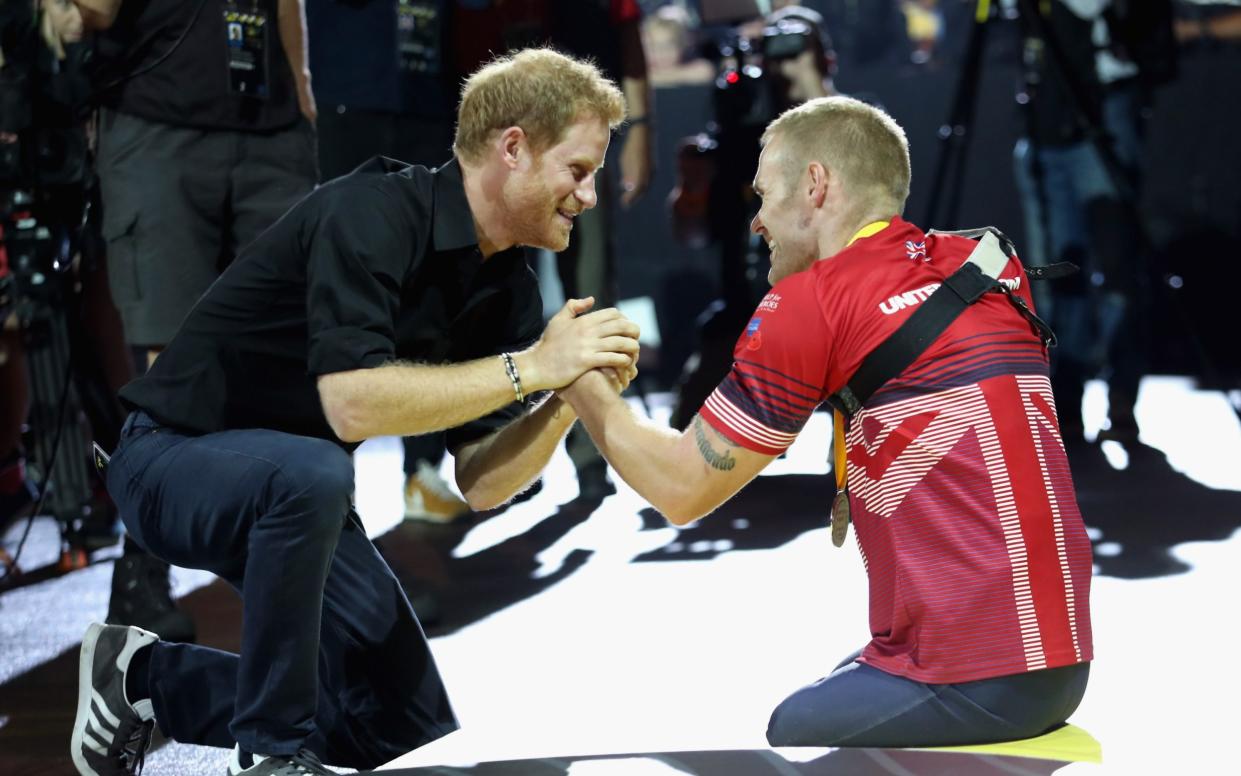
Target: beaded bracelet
<point>510,367</point>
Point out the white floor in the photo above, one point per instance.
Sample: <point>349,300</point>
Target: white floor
<point>682,655</point>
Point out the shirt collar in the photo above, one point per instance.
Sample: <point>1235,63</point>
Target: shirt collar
<point>452,223</point>
<point>873,228</point>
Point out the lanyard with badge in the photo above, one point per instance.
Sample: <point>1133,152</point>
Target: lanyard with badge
<point>418,25</point>
<point>245,31</point>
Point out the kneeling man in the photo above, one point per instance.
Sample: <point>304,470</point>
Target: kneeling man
<point>957,481</point>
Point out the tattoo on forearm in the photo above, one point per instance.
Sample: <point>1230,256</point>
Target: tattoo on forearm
<point>722,461</point>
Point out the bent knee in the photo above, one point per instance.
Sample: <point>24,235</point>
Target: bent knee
<point>795,723</point>
<point>786,726</point>
<point>321,475</point>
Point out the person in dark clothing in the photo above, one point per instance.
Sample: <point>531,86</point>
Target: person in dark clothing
<point>395,97</point>
<point>204,140</point>
<point>1078,208</point>
<point>391,301</point>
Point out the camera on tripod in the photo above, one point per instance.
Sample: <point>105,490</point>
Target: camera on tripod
<point>46,182</point>
<point>30,254</point>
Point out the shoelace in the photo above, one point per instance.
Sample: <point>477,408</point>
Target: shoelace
<point>134,752</point>
<point>304,762</point>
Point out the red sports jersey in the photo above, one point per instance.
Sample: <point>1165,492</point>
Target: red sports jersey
<point>963,506</point>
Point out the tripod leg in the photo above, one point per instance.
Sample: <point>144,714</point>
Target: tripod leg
<point>954,134</point>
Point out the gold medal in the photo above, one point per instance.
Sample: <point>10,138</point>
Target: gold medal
<point>840,518</point>
<point>840,506</point>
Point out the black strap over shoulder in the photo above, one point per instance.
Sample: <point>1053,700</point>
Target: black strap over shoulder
<point>959,290</point>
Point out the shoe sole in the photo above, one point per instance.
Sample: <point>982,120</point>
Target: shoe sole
<point>86,664</point>
<point>423,517</point>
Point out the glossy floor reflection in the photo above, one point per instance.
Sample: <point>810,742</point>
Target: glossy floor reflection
<point>593,633</point>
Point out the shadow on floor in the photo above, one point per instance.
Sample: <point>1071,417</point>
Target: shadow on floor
<point>839,762</point>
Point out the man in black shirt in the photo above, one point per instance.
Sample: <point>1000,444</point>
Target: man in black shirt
<point>392,301</point>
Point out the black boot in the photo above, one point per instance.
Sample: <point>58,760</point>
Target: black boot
<point>142,596</point>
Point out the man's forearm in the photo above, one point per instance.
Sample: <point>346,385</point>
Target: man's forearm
<point>492,471</point>
<point>637,93</point>
<point>654,460</point>
<point>292,24</point>
<point>411,399</point>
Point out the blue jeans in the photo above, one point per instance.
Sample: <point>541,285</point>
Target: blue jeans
<point>858,705</point>
<point>332,656</point>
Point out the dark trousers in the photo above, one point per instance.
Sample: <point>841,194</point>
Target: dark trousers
<point>179,203</point>
<point>332,656</point>
<point>857,705</point>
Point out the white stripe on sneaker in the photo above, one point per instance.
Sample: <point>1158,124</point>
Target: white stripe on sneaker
<point>92,743</point>
<point>100,730</point>
<point>103,709</point>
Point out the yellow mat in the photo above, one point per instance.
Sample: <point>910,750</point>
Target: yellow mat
<point>1067,744</point>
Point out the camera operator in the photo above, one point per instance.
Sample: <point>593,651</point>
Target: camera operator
<point>766,67</point>
<point>64,318</point>
<point>55,319</point>
<point>17,46</point>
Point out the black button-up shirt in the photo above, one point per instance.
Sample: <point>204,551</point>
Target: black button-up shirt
<point>379,265</point>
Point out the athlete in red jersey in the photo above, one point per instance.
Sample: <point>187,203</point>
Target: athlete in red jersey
<point>963,507</point>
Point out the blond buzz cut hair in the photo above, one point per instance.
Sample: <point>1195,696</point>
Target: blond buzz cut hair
<point>859,141</point>
<point>539,90</point>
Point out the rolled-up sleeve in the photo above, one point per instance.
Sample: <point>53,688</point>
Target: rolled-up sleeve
<point>360,252</point>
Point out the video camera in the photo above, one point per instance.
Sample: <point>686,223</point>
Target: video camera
<point>44,163</point>
<point>30,252</point>
<point>744,95</point>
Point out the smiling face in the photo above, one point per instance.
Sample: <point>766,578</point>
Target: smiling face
<point>551,188</point>
<point>784,219</point>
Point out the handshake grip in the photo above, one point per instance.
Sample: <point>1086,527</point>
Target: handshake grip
<point>578,340</point>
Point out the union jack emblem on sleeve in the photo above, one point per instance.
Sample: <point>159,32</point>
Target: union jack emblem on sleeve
<point>916,250</point>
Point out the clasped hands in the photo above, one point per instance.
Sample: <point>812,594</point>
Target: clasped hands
<point>581,351</point>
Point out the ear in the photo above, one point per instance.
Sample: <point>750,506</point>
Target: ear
<point>512,146</point>
<point>818,179</point>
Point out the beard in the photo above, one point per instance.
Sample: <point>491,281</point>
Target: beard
<point>536,220</point>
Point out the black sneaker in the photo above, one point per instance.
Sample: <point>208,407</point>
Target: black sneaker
<point>301,764</point>
<point>142,597</point>
<point>110,735</point>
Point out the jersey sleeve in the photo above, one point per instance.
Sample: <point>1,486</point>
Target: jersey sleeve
<point>780,366</point>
